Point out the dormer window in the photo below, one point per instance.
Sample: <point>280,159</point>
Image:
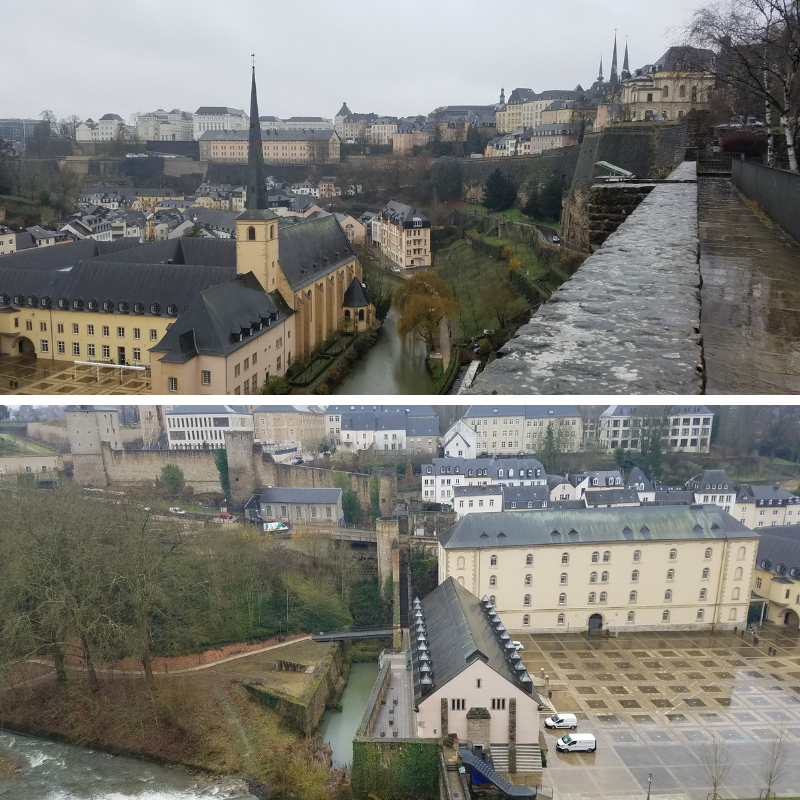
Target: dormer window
<point>63,302</point>
<point>123,307</point>
<point>172,309</point>
<point>92,305</point>
<point>108,305</point>
<point>138,308</point>
<point>77,304</point>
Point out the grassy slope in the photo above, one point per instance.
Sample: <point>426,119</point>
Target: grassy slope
<point>24,448</point>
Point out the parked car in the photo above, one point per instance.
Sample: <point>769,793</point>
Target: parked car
<point>225,515</point>
<point>518,645</point>
<point>256,520</point>
<point>562,721</point>
<point>396,269</point>
<point>176,510</point>
<point>556,239</point>
<point>577,742</point>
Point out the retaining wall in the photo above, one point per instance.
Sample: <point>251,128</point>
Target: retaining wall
<point>776,191</point>
<point>628,321</point>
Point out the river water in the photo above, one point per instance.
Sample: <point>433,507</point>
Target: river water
<point>393,366</point>
<point>55,771</point>
<point>339,727</point>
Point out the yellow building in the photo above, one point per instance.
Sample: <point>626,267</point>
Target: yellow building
<point>279,147</point>
<point>636,568</point>
<point>147,201</point>
<point>279,427</point>
<point>8,241</point>
<point>776,578</point>
<point>405,235</point>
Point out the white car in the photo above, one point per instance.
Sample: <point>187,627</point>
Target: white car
<point>562,721</point>
<point>176,510</point>
<point>518,646</point>
<point>575,742</point>
<point>396,269</point>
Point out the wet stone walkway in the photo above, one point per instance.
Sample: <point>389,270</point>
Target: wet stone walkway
<point>750,318</point>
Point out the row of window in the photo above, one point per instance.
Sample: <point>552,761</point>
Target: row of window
<point>91,350</point>
<point>106,330</point>
<point>665,614</point>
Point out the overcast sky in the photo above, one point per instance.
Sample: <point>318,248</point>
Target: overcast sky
<point>392,58</point>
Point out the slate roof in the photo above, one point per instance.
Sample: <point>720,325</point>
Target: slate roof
<point>492,465</point>
<point>779,548</point>
<point>766,495</point>
<point>217,110</point>
<point>708,478</point>
<point>214,321</point>
<point>422,426</point>
<point>529,412</point>
<point>344,111</point>
<point>675,411</point>
<point>522,495</point>
<point>355,297</point>
<point>318,241</point>
<point>458,633</point>
<point>602,497</point>
<point>691,59</point>
<point>638,477</point>
<point>165,284</point>
<point>280,494</point>
<point>111,116</point>
<point>593,525</point>
<point>605,477</point>
<point>521,96</point>
<point>201,409</point>
<point>270,135</point>
<point>403,215</point>
<point>64,256</point>
<point>676,498</point>
<point>471,491</point>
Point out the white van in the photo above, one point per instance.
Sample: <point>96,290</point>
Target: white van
<point>562,721</point>
<point>575,742</point>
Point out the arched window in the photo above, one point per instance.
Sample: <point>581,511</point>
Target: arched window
<point>735,593</point>
<point>668,595</point>
<point>632,597</point>
<point>595,557</point>
<point>493,580</point>
<point>670,574</point>
<point>732,614</point>
<point>700,613</point>
<point>591,597</point>
<point>526,620</point>
<point>706,573</point>
<point>673,554</point>
<point>741,554</point>
<point>631,616</point>
<point>562,599</point>
<point>694,94</point>
<point>603,597</point>
<point>737,575</point>
<point>560,619</point>
<point>492,599</point>
<point>708,552</point>
<point>606,556</point>
<point>461,579</point>
<point>347,313</point>
<point>637,555</point>
<point>665,93</point>
<point>563,577</point>
<point>635,575</point>
<point>682,91</point>
<point>461,562</point>
<point>271,231</point>
<point>251,233</point>
<point>529,559</point>
<point>703,594</point>
<point>665,616</point>
<point>593,577</point>
<point>527,600</point>
<point>360,314</point>
<point>565,558</point>
<point>604,578</point>
<point>493,561</point>
<point>528,580</point>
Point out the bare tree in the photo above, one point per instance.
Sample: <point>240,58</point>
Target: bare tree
<point>68,126</point>
<point>773,762</point>
<point>758,52</point>
<point>717,762</point>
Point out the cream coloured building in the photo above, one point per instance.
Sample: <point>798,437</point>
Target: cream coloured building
<point>687,429</point>
<point>201,427</point>
<point>279,147</point>
<point>776,578</point>
<point>279,427</point>
<point>502,430</point>
<point>8,241</point>
<point>405,235</point>
<point>640,568</point>
<point>42,465</point>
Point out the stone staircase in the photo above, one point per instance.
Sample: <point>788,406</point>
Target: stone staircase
<point>529,758</point>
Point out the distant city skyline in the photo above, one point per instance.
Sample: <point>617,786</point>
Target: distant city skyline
<point>427,55</point>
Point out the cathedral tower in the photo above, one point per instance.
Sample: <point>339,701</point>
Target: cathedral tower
<point>614,79</point>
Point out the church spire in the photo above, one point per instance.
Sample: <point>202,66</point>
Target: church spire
<point>256,176</point>
<point>600,76</point>
<point>614,74</point>
<point>626,70</point>
<point>502,95</point>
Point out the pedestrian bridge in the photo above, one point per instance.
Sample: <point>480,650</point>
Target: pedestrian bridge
<point>352,634</point>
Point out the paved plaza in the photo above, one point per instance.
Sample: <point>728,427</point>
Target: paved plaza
<point>651,699</point>
<point>27,375</point>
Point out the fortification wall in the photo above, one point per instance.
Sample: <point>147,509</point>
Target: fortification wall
<point>136,467</point>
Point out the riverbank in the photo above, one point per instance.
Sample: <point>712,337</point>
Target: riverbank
<point>8,769</point>
<point>205,720</point>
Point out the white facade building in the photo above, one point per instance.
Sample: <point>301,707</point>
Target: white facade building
<point>218,118</point>
<point>204,427</point>
<point>165,126</point>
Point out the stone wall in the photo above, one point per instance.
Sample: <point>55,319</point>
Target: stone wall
<point>628,321</point>
<point>610,205</point>
<point>388,532</point>
<point>431,522</point>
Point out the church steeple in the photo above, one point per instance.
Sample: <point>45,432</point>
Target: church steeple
<point>502,95</point>
<point>600,76</point>
<point>626,71</point>
<point>256,175</point>
<point>614,74</point>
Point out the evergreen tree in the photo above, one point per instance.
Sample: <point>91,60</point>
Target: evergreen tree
<point>498,193</point>
<point>533,206</point>
<point>550,202</point>
<point>351,506</point>
<point>221,463</point>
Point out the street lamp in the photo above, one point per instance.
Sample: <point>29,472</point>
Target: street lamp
<point>649,781</point>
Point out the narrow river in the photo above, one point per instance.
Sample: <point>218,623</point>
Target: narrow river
<point>54,771</point>
<point>393,366</point>
<point>339,727</point>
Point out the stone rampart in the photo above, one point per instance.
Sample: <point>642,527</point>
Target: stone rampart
<point>628,321</point>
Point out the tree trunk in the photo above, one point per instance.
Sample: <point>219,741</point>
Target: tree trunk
<point>58,662</point>
<point>94,683</point>
<point>790,144</point>
<point>147,664</point>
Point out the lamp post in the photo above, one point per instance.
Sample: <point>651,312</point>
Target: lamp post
<point>649,781</point>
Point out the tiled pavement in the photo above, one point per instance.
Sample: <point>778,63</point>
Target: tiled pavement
<point>25,375</point>
<point>403,710</point>
<point>651,699</point>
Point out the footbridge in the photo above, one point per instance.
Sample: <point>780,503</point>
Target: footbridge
<point>490,774</point>
<point>351,634</point>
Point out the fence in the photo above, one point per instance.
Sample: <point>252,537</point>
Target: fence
<point>776,191</point>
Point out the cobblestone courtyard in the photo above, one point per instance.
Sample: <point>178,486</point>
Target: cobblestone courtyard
<point>650,700</point>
